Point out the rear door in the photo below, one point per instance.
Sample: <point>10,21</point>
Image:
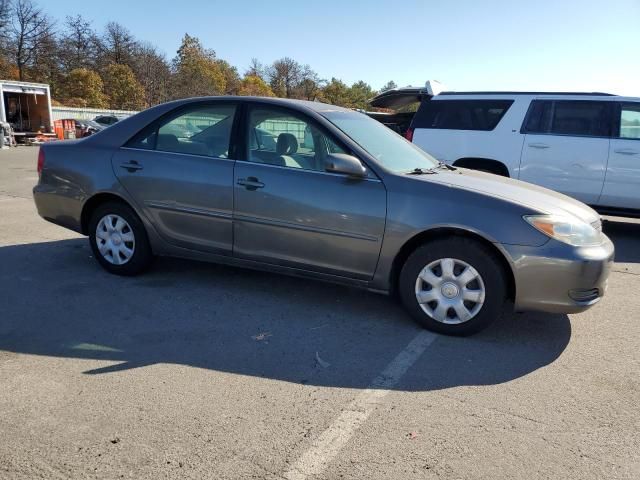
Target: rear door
<point>566,146</point>
<point>289,211</point>
<point>179,172</point>
<point>622,183</point>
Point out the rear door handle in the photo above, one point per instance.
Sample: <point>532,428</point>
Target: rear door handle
<point>131,166</point>
<point>538,145</point>
<point>250,183</point>
<point>627,151</point>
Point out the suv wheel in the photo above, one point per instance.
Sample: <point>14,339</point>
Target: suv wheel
<point>118,239</point>
<point>454,286</point>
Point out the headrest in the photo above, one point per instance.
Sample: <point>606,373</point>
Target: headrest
<point>287,144</point>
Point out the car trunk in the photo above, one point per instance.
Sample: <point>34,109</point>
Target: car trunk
<point>398,101</point>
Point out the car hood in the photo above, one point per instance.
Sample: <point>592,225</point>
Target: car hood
<point>532,196</point>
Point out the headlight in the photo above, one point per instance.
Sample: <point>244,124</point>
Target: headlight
<point>566,229</point>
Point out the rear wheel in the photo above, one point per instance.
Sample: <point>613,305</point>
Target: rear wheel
<point>454,286</point>
<point>118,239</point>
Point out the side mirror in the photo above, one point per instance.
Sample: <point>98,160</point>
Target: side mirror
<point>345,164</point>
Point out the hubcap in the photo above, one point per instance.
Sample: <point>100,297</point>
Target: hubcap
<point>115,239</point>
<point>450,291</point>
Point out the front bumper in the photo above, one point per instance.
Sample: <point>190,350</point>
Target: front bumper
<point>559,278</point>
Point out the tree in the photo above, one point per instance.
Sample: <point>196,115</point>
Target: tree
<point>284,76</point>
<point>78,44</point>
<point>5,20</point>
<point>30,31</point>
<point>336,92</point>
<point>122,87</point>
<point>82,88</point>
<point>45,67</point>
<point>196,72</point>
<point>231,77</point>
<point>256,69</point>
<point>8,71</point>
<point>117,45</point>
<point>309,85</point>
<point>253,85</point>
<point>390,85</point>
<point>153,73</point>
<point>360,93</point>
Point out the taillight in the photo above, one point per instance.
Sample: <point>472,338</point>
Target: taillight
<point>40,161</point>
<point>409,134</point>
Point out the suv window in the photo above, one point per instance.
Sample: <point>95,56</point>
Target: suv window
<point>461,114</point>
<point>539,117</point>
<point>279,137</point>
<point>569,117</point>
<point>630,121</point>
<point>199,130</point>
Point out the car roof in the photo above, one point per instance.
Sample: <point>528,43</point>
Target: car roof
<point>285,102</point>
<point>550,95</point>
<point>399,97</point>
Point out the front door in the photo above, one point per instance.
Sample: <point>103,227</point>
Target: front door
<point>179,173</point>
<point>289,211</point>
<point>622,184</point>
<point>566,147</point>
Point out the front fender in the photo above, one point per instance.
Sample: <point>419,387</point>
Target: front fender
<point>413,210</point>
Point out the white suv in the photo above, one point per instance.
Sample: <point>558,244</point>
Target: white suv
<point>584,145</point>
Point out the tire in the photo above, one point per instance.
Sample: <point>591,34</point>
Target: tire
<point>128,252</point>
<point>480,292</point>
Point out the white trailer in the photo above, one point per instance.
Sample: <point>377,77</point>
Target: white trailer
<point>27,108</point>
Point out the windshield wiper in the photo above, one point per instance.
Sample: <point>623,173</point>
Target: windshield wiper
<point>446,165</point>
<point>421,171</point>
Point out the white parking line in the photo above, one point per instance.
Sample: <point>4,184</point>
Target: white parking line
<point>315,460</point>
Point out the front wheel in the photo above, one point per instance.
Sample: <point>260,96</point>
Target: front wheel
<point>454,286</point>
<point>119,240</point>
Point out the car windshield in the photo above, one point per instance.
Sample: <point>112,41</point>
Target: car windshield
<point>392,151</point>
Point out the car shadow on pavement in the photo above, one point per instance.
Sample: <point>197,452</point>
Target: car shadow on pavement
<point>625,236</point>
<point>56,301</point>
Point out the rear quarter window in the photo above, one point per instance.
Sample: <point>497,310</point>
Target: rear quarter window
<point>481,115</point>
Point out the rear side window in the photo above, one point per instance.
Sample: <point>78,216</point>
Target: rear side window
<point>461,114</point>
<point>197,130</point>
<point>569,117</point>
<point>630,121</point>
<point>539,117</point>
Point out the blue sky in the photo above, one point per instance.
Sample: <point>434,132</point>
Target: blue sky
<point>583,45</point>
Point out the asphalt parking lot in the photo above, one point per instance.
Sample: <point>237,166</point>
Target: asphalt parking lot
<point>203,371</point>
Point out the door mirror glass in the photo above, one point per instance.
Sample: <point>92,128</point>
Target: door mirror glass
<point>345,164</point>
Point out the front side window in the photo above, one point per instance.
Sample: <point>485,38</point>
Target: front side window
<point>630,121</point>
<point>200,130</point>
<point>461,114</point>
<point>282,138</point>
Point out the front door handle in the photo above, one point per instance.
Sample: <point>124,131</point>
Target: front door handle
<point>538,145</point>
<point>131,166</point>
<point>250,183</point>
<point>627,151</point>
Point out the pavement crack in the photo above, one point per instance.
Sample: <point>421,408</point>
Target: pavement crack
<point>626,272</point>
<point>11,195</point>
